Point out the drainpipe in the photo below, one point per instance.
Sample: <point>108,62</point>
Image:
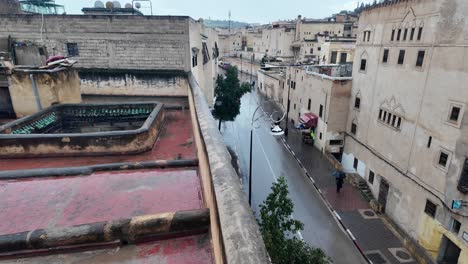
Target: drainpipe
<point>36,93</point>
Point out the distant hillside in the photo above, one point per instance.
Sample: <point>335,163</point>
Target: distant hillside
<point>224,24</point>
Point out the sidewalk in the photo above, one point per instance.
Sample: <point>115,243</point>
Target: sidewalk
<point>363,225</point>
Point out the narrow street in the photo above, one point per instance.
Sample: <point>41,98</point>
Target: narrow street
<point>272,160</point>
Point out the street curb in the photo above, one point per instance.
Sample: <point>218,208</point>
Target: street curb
<point>126,231</point>
<point>87,170</point>
<point>332,211</point>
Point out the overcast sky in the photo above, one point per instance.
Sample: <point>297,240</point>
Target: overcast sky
<point>252,11</point>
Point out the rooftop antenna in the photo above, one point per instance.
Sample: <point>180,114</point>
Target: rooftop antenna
<point>229,22</point>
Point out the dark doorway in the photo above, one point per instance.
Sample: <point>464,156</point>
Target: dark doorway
<point>334,56</point>
<point>449,252</point>
<point>343,57</point>
<point>383,193</point>
<point>6,107</point>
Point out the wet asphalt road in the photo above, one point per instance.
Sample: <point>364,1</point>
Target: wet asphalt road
<point>272,160</point>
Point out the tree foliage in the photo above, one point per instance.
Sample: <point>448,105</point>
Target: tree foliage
<point>228,93</point>
<point>278,229</point>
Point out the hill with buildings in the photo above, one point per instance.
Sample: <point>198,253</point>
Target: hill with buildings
<point>224,24</point>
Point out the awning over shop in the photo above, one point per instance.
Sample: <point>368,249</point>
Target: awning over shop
<point>309,120</point>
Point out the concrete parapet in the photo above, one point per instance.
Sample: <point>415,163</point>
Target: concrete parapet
<point>132,230</point>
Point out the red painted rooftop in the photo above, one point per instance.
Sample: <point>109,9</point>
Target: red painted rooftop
<point>174,142</point>
<point>58,202</point>
<point>50,202</point>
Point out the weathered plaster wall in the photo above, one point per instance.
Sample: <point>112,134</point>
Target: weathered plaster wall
<point>61,87</point>
<point>118,42</point>
<point>133,83</point>
<point>422,97</point>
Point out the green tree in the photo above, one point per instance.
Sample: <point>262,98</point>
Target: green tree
<point>278,229</point>
<point>228,93</point>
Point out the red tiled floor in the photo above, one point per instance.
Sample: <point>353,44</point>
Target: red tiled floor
<point>175,142</point>
<point>47,203</point>
<point>347,200</point>
<point>184,250</point>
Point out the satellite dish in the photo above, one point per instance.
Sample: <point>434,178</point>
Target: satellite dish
<point>128,5</point>
<point>116,4</point>
<point>98,4</point>
<point>138,5</point>
<point>109,5</point>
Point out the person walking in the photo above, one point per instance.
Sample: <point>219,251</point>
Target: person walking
<point>339,177</point>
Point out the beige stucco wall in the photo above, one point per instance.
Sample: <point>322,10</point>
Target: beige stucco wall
<point>53,88</point>
<point>332,95</point>
<point>128,84</point>
<point>271,85</point>
<point>421,96</point>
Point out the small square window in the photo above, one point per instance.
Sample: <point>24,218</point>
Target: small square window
<point>401,57</point>
<point>430,208</point>
<point>385,55</point>
<point>353,128</point>
<point>443,159</point>
<point>371,177</point>
<point>363,65</point>
<point>455,226</point>
<point>41,51</point>
<point>357,103</point>
<point>72,49</point>
<point>420,59</point>
<point>355,163</point>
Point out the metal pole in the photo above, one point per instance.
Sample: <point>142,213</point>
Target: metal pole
<point>287,111</point>
<point>250,168</point>
<point>36,92</point>
<point>251,67</point>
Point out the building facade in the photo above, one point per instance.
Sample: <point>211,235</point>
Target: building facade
<point>123,55</point>
<point>406,125</point>
<point>325,92</point>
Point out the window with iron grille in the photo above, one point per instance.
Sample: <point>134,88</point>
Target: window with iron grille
<point>420,30</point>
<point>353,128</point>
<point>357,103</point>
<point>336,142</point>
<point>420,59</point>
<point>401,57</point>
<point>443,159</point>
<point>463,183</point>
<point>206,54</point>
<point>72,49</point>
<point>430,208</point>
<point>371,177</point>
<point>363,65</point>
<point>385,55</point>
<point>412,33</point>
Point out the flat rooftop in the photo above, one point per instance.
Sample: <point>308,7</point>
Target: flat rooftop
<point>123,191</point>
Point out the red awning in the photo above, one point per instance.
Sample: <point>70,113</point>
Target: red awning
<point>309,120</point>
